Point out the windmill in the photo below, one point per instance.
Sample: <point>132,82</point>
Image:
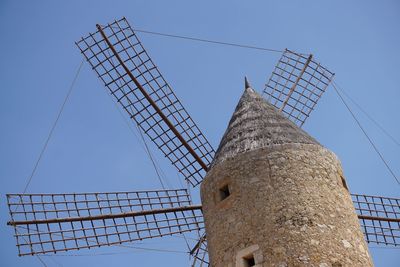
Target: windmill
<point>51,223</point>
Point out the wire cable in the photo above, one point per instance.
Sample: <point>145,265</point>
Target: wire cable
<point>210,41</point>
<point>99,243</point>
<point>54,260</point>
<point>369,117</point>
<point>118,253</point>
<point>365,133</point>
<point>157,169</point>
<point>53,126</point>
<point>196,39</point>
<point>142,142</point>
<point>37,256</point>
<point>71,87</point>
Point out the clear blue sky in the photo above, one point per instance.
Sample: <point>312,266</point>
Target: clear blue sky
<point>93,150</point>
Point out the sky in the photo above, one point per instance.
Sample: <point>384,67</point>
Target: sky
<point>92,149</point>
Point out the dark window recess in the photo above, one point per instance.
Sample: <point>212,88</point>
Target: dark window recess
<point>249,261</point>
<point>224,192</point>
<point>344,183</point>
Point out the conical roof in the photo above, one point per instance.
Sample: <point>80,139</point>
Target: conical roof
<point>256,124</point>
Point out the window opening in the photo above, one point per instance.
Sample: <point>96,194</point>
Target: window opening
<point>224,192</point>
<point>249,261</point>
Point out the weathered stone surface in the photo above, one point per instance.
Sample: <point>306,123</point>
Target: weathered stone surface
<point>286,197</point>
<point>256,124</point>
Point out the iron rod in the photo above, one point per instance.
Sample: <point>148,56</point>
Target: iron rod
<point>105,216</point>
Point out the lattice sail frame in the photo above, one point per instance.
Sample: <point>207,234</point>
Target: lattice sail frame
<point>296,85</point>
<point>379,218</point>
<point>199,253</point>
<point>121,62</point>
<point>50,223</point>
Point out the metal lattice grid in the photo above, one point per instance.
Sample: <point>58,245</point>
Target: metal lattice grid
<point>121,62</point>
<point>296,85</point>
<point>50,223</point>
<point>379,218</point>
<point>200,252</point>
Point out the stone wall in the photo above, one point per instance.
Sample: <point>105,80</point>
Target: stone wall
<point>287,206</point>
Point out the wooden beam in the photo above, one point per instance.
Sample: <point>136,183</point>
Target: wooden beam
<point>106,216</point>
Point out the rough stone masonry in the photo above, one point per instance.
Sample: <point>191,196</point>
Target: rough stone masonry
<point>275,197</point>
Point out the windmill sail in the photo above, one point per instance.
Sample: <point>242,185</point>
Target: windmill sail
<point>296,84</point>
<point>199,253</point>
<point>379,218</point>
<point>121,62</point>
<point>49,223</point>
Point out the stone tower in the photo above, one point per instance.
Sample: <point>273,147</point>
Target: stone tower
<point>275,197</point>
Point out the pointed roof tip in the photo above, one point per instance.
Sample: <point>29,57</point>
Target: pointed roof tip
<point>246,83</point>
<point>257,124</point>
